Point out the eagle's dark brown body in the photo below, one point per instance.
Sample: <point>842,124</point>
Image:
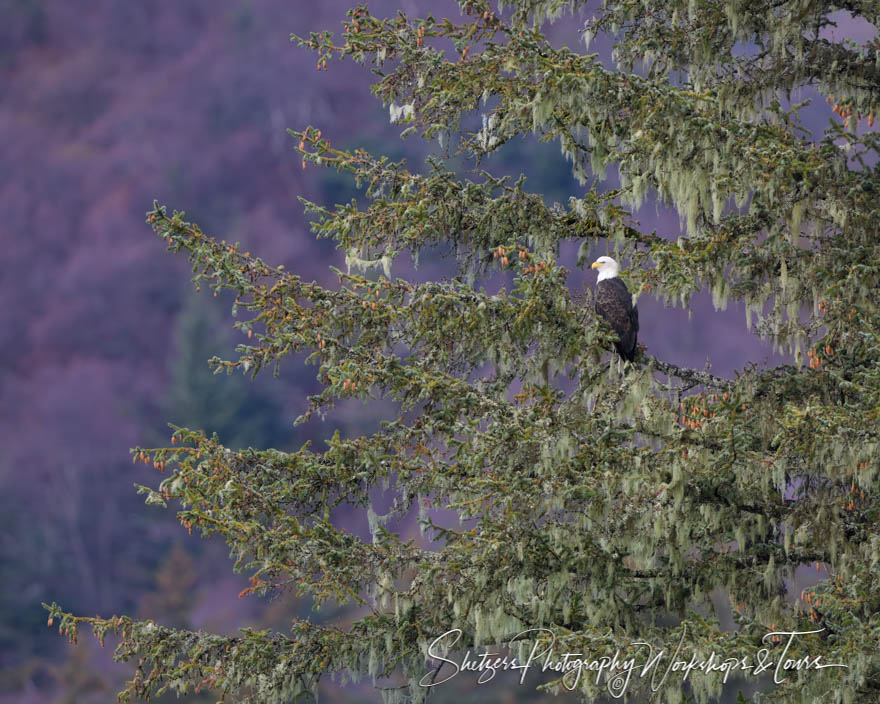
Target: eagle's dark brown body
<point>614,305</point>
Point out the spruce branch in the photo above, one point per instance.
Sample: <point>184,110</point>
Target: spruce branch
<point>693,376</point>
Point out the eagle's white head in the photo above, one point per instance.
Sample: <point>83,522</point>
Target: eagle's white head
<point>607,268</point>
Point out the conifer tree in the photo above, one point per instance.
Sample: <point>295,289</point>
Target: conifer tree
<point>240,414</point>
<point>603,502</point>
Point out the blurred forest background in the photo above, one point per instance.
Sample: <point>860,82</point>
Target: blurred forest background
<point>104,106</point>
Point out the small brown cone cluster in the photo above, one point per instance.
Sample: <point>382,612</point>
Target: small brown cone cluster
<point>844,110</point>
<point>697,410</point>
<point>816,360</point>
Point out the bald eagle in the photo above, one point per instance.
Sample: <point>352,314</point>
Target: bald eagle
<point>615,306</point>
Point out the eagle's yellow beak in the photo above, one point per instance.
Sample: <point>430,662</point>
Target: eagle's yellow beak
<point>596,265</point>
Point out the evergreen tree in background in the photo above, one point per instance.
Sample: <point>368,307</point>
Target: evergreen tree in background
<point>241,415</point>
<point>603,502</point>
<point>174,594</point>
